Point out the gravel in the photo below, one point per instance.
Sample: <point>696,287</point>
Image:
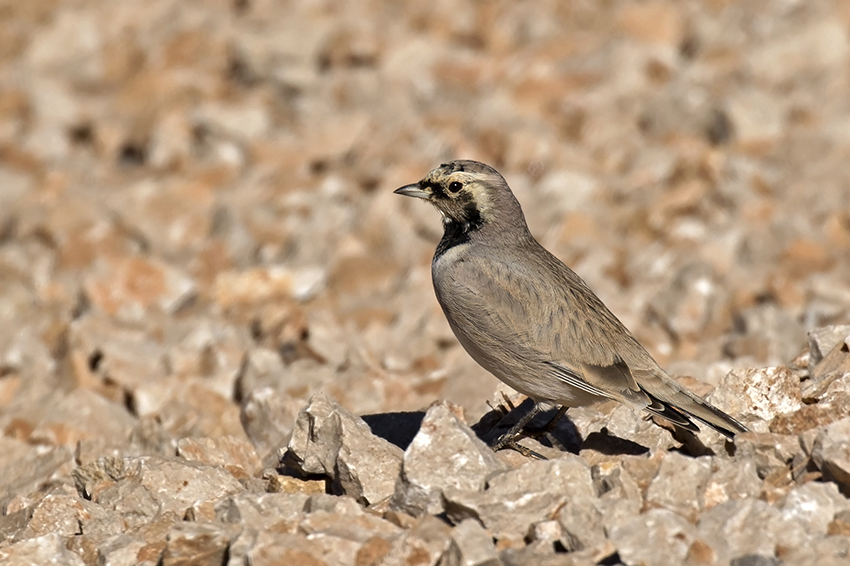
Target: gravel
<point>218,338</point>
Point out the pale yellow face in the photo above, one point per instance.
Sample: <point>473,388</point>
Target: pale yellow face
<point>459,194</point>
<point>466,193</point>
<point>474,201</point>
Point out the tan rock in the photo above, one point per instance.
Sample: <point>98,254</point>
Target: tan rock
<point>656,22</point>
<point>129,288</point>
<point>235,454</point>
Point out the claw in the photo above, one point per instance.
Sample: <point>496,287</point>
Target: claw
<point>511,438</point>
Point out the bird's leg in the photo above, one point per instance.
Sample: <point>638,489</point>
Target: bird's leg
<point>510,438</point>
<point>550,426</point>
<point>516,431</point>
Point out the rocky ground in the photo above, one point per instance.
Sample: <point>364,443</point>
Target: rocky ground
<point>203,270</point>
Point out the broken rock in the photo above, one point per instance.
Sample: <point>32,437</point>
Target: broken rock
<point>679,484</point>
<point>329,440</point>
<point>822,340</point>
<point>471,545</point>
<point>659,537</point>
<point>150,486</point>
<point>445,454</point>
<point>831,454</point>
<point>517,499</point>
<point>47,549</point>
<point>755,396</point>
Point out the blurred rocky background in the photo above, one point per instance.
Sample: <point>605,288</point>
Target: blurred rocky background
<point>198,234</point>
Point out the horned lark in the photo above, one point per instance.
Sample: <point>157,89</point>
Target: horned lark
<point>529,319</point>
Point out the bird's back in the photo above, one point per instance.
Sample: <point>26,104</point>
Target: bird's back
<point>515,308</point>
<point>533,322</point>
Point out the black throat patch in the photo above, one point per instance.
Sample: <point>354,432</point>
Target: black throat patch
<point>457,231</point>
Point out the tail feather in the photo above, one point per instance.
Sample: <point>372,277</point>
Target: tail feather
<point>685,404</point>
<point>671,414</point>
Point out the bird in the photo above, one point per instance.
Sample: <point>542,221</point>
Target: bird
<point>530,320</point>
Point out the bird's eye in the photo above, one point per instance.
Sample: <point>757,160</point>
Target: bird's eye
<point>455,186</point>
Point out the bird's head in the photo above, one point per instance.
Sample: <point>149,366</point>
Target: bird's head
<point>469,194</point>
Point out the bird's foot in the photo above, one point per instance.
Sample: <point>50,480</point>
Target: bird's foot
<point>546,431</point>
<point>513,444</point>
<point>539,434</point>
<point>511,438</point>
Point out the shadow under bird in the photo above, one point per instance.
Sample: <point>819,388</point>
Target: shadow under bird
<point>529,319</point>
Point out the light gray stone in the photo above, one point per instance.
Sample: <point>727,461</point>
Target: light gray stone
<point>582,522</point>
<point>613,481</point>
<point>546,531</point>
<point>63,512</point>
<point>517,499</point>
<point>755,560</point>
<point>234,454</point>
<point>424,543</point>
<point>756,395</point>
<point>814,45</point>
<point>344,524</point>
<point>822,340</point>
<point>658,537</point>
<point>124,355</point>
<point>568,474</point>
<point>680,484</point>
<point>46,549</point>
<point>765,331</point>
<point>768,451</point>
<point>336,550</point>
<point>270,548</point>
<point>628,424</point>
<point>208,347</point>
<point>615,512</point>
<point>814,505</point>
<point>329,440</point>
<point>741,527</point>
<point>831,453</point>
<point>123,550</point>
<point>445,455</point>
<point>471,545</point>
<point>738,479</point>
<point>827,551</point>
<point>150,486</point>
<point>283,511</point>
<point>33,469</point>
<point>262,368</point>
<point>268,417</point>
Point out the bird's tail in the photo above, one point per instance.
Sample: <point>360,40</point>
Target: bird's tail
<point>678,405</point>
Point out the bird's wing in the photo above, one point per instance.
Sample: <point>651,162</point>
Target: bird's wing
<point>618,381</point>
<point>523,311</point>
<point>612,381</point>
<point>521,307</point>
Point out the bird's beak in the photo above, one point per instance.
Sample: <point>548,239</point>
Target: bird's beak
<point>414,190</point>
